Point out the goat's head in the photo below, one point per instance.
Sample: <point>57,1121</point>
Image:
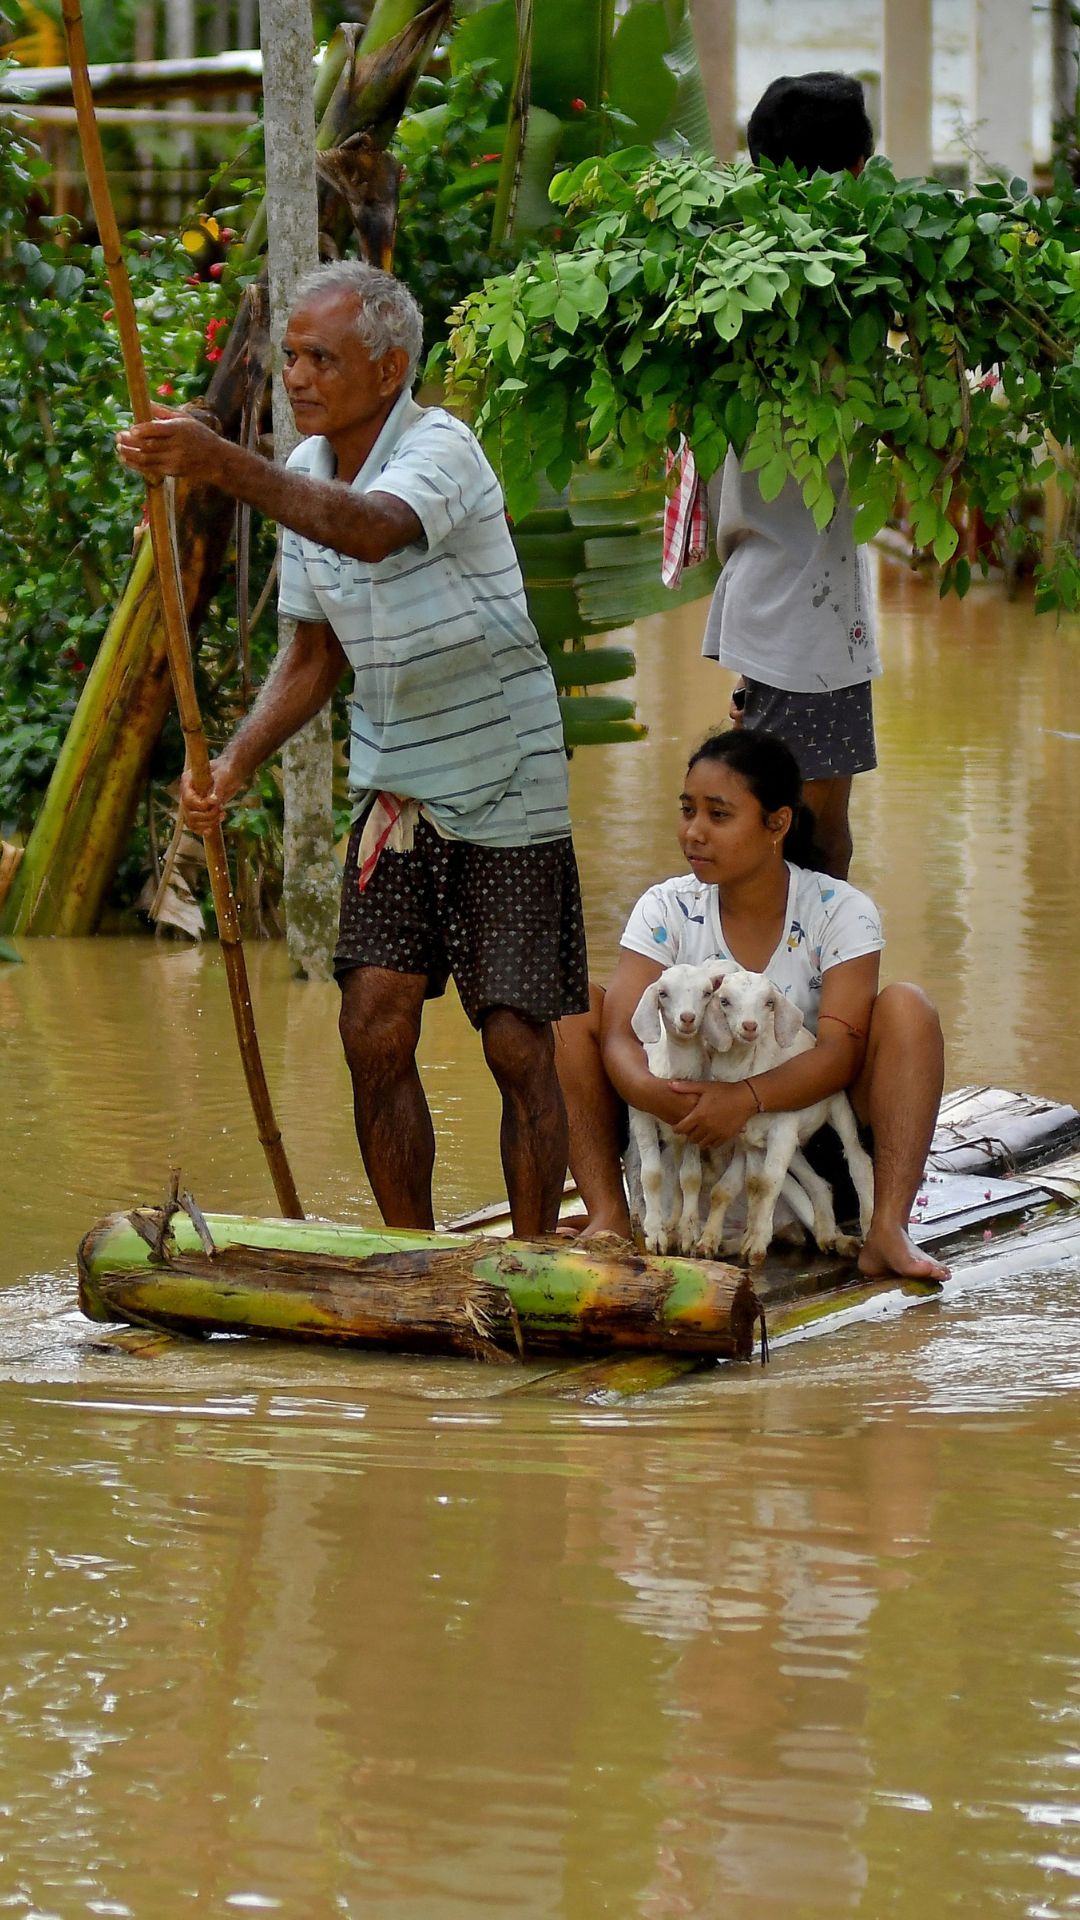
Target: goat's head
<point>743,1008</point>
<point>680,999</point>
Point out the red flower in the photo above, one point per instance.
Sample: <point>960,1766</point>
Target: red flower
<point>579,105</point>
<point>491,156</point>
<point>217,270</point>
<point>166,389</point>
<point>213,353</point>
<point>108,315</point>
<point>192,280</point>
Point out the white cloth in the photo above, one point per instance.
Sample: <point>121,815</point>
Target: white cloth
<point>453,702</point>
<point>793,607</point>
<point>827,921</point>
<point>389,828</point>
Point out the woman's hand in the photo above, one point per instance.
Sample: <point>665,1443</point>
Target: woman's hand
<point>720,1111</point>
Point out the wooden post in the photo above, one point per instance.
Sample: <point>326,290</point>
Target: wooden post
<point>907,86</point>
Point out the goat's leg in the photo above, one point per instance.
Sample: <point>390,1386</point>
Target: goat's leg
<point>724,1191</point>
<point>632,1177</point>
<point>689,1225</point>
<point>646,1138</point>
<point>763,1186</point>
<point>842,1117</point>
<point>823,1226</point>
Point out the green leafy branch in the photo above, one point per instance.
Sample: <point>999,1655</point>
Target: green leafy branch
<point>896,334</point>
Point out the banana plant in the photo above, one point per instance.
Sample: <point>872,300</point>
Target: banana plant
<point>591,560</point>
<point>85,819</point>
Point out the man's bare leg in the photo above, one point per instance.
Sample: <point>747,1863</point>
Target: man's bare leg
<point>592,1108</point>
<point>380,1027</point>
<point>829,801</point>
<point>898,1093</point>
<point>533,1137</point>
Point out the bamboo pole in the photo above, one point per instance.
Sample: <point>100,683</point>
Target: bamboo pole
<point>174,620</point>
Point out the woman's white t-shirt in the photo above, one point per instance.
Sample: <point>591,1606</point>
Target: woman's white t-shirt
<point>826,922</point>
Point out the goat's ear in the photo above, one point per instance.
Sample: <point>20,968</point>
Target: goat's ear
<point>646,1016</point>
<point>718,980</point>
<point>714,1027</point>
<point>787,1019</point>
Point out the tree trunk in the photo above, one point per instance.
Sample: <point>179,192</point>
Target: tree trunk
<point>311,881</point>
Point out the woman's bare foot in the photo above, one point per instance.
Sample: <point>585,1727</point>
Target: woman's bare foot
<point>888,1250</point>
<point>601,1223</point>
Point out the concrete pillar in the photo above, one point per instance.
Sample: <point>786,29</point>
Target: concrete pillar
<point>715,37</point>
<point>1063,73</point>
<point>1003,89</point>
<point>907,85</point>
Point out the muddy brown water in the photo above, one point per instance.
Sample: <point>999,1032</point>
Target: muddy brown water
<point>300,1633</point>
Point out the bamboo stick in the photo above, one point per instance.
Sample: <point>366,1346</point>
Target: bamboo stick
<point>174,620</point>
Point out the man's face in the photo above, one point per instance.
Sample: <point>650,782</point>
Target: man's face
<point>334,386</point>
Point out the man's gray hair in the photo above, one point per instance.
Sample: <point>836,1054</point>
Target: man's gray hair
<point>387,314</point>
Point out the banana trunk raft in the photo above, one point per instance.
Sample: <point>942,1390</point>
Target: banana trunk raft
<point>421,1292</point>
<point>470,1293</point>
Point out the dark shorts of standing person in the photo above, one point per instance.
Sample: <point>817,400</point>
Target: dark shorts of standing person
<point>506,922</point>
<point>830,734</point>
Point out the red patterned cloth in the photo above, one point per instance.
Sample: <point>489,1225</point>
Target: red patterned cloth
<point>686,518</point>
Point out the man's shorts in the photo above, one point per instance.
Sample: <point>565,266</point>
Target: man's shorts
<point>830,734</point>
<point>505,921</point>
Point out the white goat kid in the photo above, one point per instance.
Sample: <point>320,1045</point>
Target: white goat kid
<point>754,1023</point>
<point>668,1020</point>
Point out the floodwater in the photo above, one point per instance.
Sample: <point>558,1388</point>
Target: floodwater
<point>300,1633</point>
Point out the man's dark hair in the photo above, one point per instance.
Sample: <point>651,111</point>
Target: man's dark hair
<point>815,120</point>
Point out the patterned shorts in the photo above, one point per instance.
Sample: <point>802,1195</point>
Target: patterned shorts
<point>830,734</point>
<point>505,921</point>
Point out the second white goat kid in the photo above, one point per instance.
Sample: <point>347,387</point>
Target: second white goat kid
<point>668,1020</point>
<point>750,1016</point>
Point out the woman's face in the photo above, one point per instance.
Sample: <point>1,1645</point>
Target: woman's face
<point>722,828</point>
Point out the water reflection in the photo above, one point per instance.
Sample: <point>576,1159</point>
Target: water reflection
<point>757,1655</point>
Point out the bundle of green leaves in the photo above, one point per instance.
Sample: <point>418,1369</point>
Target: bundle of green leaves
<point>898,334</point>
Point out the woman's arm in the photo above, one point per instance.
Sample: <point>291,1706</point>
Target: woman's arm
<point>847,998</point>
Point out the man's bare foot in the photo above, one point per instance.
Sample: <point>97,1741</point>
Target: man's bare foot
<point>889,1250</point>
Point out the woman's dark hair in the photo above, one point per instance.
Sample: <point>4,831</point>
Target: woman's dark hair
<point>814,120</point>
<point>771,772</point>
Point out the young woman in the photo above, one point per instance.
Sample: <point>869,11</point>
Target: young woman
<point>754,898</point>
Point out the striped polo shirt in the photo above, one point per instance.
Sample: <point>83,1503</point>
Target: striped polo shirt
<point>453,700</point>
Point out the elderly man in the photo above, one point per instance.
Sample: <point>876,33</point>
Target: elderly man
<point>397,564</point>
